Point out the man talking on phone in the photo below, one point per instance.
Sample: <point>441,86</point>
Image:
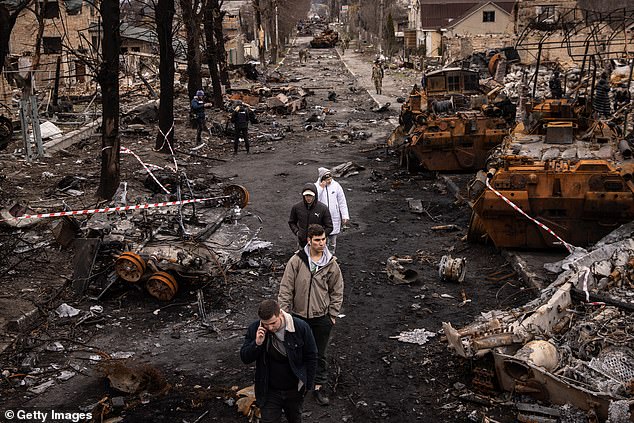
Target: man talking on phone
<point>285,356</point>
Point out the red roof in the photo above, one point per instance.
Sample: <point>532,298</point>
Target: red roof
<point>436,14</point>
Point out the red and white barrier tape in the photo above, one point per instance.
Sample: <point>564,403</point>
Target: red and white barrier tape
<point>113,209</point>
<point>126,150</point>
<point>569,247</point>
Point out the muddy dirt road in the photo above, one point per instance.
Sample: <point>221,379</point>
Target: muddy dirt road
<point>373,376</point>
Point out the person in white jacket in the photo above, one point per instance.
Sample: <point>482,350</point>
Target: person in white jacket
<point>331,194</point>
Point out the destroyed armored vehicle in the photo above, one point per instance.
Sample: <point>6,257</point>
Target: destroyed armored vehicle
<point>164,247</point>
<point>326,39</point>
<point>450,125</point>
<point>563,169</point>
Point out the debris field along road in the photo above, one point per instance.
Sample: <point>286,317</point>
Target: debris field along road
<point>374,376</point>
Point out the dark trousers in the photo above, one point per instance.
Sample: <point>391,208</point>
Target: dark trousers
<point>200,125</point>
<point>321,327</point>
<point>276,401</point>
<point>241,133</point>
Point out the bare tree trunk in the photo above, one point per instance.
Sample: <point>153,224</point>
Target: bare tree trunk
<point>39,11</point>
<point>258,24</point>
<point>211,53</point>
<point>272,28</point>
<point>192,21</point>
<point>218,15</point>
<point>108,77</point>
<point>164,17</point>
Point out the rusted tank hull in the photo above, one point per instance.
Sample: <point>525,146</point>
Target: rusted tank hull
<point>580,203</point>
<point>463,145</point>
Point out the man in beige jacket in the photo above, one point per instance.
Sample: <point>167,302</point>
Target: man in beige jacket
<point>312,289</point>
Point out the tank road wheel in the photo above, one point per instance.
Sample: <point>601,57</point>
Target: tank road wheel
<point>238,195</point>
<point>162,286</point>
<point>476,232</point>
<point>130,266</point>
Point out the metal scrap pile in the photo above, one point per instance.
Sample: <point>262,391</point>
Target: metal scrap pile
<point>573,344</point>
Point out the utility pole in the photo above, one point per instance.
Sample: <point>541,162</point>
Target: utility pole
<point>277,32</point>
<point>381,26</point>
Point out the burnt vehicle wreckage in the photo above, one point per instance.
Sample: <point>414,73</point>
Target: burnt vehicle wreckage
<point>157,241</point>
<point>563,178</point>
<point>565,164</point>
<point>160,248</point>
<point>449,125</point>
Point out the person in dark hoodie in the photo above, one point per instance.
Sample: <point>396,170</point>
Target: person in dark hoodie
<point>312,289</point>
<point>306,212</point>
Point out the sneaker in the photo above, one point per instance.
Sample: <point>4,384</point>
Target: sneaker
<point>321,397</point>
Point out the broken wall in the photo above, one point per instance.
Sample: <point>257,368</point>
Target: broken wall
<point>60,34</point>
<point>462,46</point>
<point>535,18</point>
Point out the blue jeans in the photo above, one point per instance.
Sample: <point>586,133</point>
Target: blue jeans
<point>290,401</point>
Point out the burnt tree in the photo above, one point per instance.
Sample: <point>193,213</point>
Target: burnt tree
<point>108,78</point>
<point>192,19</point>
<point>212,53</point>
<point>164,18</point>
<point>221,53</point>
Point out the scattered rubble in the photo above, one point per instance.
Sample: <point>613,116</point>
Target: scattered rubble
<point>568,345</point>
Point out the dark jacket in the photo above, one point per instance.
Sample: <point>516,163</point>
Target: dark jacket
<point>242,116</point>
<point>198,108</point>
<point>304,214</point>
<point>300,348</point>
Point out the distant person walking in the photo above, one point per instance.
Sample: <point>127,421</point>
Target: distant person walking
<point>344,45</point>
<point>312,289</point>
<point>285,355</point>
<point>307,212</point>
<point>331,194</point>
<point>198,109</point>
<point>601,101</point>
<point>554,84</point>
<point>303,55</point>
<point>377,76</point>
<point>240,118</point>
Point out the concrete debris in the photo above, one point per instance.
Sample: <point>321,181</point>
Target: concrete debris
<point>346,169</point>
<point>49,130</point>
<point>41,388</point>
<point>416,336</point>
<point>64,310</point>
<point>65,375</point>
<point>380,109</point>
<point>568,343</point>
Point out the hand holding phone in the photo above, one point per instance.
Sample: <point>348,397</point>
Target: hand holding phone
<point>260,334</point>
